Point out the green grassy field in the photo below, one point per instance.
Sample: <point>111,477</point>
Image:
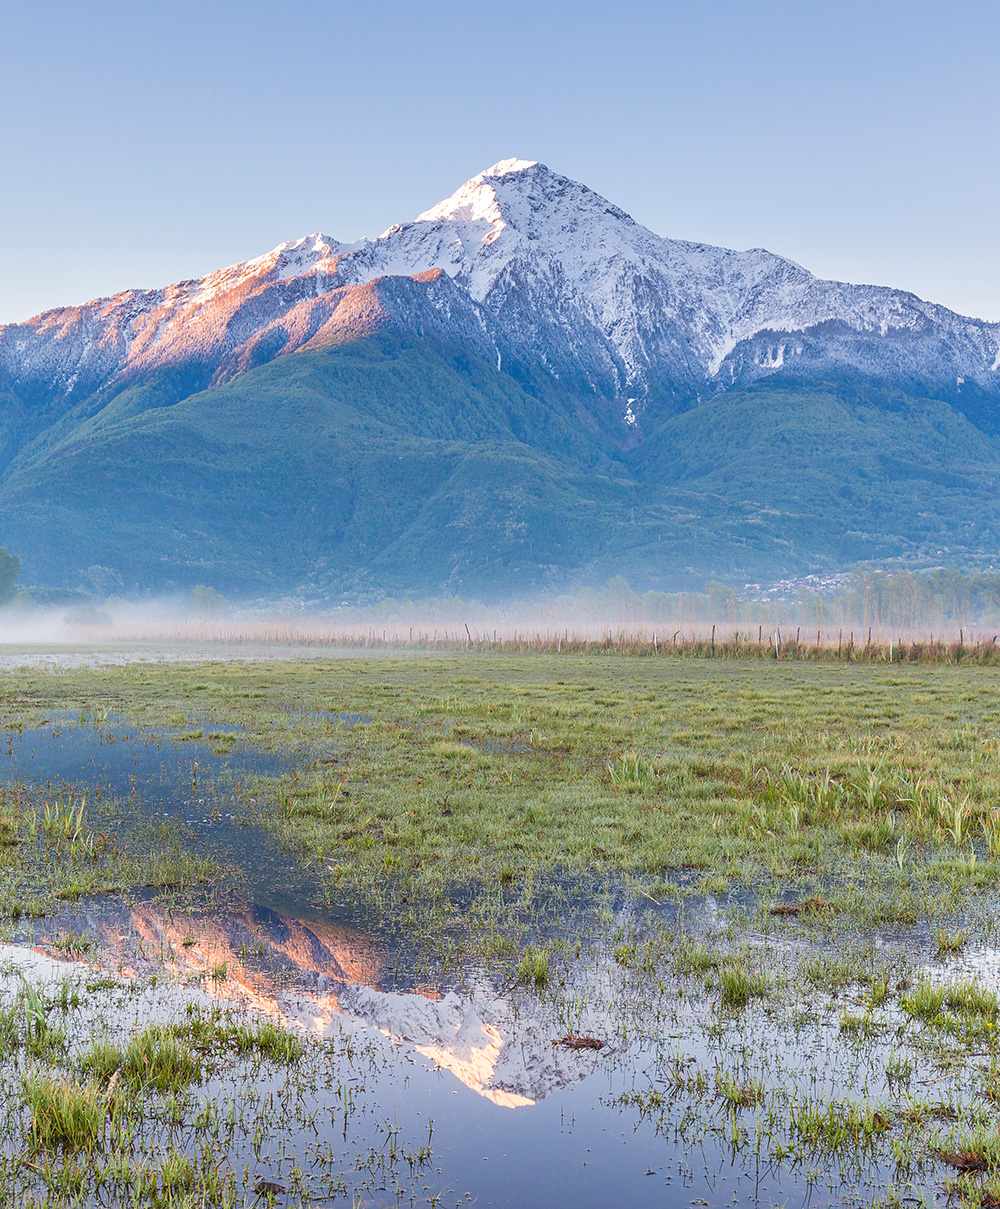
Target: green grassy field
<point>482,810</point>
<point>860,783</point>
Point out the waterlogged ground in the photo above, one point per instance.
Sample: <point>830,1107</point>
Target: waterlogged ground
<point>824,1090</point>
<point>187,783</point>
<point>795,1003</point>
<point>72,656</point>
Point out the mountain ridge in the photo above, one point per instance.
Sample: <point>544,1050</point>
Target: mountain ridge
<point>635,291</point>
<point>522,345</point>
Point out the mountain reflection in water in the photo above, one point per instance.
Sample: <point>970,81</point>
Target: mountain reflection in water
<point>312,974</point>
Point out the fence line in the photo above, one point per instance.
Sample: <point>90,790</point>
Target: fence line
<point>699,641</point>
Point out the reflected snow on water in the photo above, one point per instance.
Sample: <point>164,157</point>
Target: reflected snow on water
<point>518,1119</point>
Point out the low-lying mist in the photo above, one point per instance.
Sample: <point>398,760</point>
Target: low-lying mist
<point>865,610</point>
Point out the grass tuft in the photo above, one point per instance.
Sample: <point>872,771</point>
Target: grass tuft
<point>64,1115</point>
<point>739,986</point>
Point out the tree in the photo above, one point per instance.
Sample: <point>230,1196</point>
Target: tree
<point>103,580</point>
<point>206,602</point>
<point>10,568</point>
<point>721,601</point>
<point>617,591</point>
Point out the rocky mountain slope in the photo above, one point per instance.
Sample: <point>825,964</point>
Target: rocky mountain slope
<point>565,357</point>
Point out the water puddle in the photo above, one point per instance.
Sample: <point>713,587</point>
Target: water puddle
<point>345,718</point>
<point>518,1120</point>
<point>500,747</point>
<point>189,776</point>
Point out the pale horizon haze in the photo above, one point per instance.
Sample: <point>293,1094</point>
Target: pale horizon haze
<point>148,144</point>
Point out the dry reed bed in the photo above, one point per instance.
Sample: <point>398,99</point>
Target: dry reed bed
<point>697,642</point>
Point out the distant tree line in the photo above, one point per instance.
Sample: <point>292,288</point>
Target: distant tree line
<point>10,569</point>
<point>901,600</point>
<point>904,600</point>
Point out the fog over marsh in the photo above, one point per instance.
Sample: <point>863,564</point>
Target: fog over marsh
<point>865,609</point>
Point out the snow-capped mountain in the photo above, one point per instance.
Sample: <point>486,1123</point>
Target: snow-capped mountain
<point>525,241</point>
<point>521,390</point>
<point>530,271</point>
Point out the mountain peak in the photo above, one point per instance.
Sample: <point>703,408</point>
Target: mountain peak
<point>526,202</point>
<point>297,256</point>
<point>506,167</point>
<point>478,199</point>
<point>557,277</point>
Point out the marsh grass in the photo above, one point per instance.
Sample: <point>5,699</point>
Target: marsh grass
<point>924,1001</point>
<point>695,957</point>
<point>830,973</point>
<point>748,769</point>
<point>533,968</point>
<point>927,999</point>
<point>118,1124</point>
<point>878,836</point>
<point>62,818</point>
<point>975,1155</point>
<point>739,1093</point>
<point>27,1023</point>
<point>271,1041</point>
<point>215,1032</point>
<point>463,776</point>
<point>838,1127</point>
<point>949,942</point>
<point>64,1115</point>
<point>631,772</point>
<point>484,796</point>
<point>101,1061</point>
<point>156,1058</point>
<point>63,853</point>
<point>738,986</point>
<point>966,1011</point>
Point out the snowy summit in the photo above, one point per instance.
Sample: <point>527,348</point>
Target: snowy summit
<point>545,272</point>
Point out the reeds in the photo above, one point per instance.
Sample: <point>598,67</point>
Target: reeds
<point>631,771</point>
<point>533,968</point>
<point>738,986</point>
<point>597,634</point>
<point>64,1115</point>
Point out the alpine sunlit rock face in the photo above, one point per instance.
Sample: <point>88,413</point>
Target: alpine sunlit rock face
<point>521,389</point>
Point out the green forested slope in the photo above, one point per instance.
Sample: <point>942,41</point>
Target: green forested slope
<point>401,464</point>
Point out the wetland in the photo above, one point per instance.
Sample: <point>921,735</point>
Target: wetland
<point>500,929</point>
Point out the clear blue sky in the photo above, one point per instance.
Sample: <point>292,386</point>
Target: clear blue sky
<point>151,140</point>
